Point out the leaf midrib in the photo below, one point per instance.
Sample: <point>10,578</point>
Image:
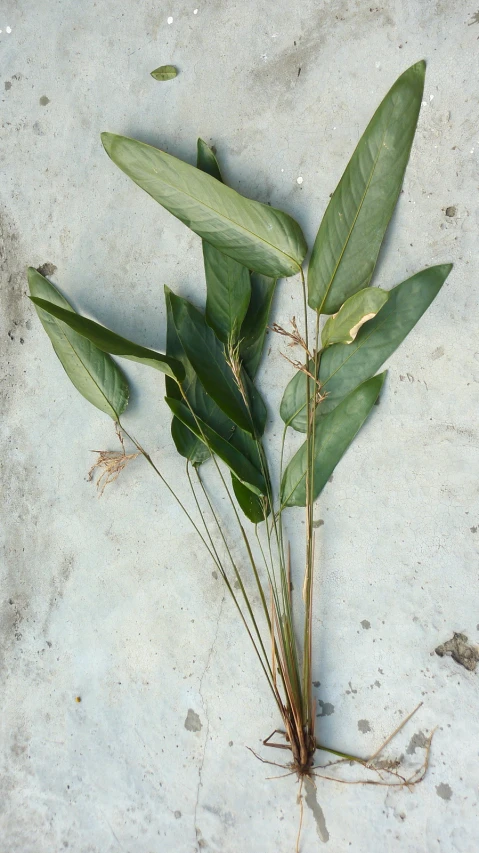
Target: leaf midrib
<point>346,243</point>
<point>62,332</point>
<point>220,215</point>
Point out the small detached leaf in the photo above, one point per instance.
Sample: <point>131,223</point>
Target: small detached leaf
<point>110,342</point>
<point>333,435</point>
<point>164,72</point>
<point>343,327</point>
<point>93,373</point>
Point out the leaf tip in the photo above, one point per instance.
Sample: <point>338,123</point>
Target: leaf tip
<point>107,140</point>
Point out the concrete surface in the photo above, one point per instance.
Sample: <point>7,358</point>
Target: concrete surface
<point>112,600</point>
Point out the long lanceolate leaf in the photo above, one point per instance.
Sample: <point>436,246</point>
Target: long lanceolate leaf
<point>192,445</point>
<point>188,444</point>
<point>93,373</point>
<point>253,330</point>
<point>350,235</point>
<point>333,435</point>
<point>228,288</point>
<point>258,236</point>
<point>206,354</point>
<point>234,459</point>
<point>343,366</point>
<point>110,342</point>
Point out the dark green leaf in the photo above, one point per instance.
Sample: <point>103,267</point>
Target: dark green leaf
<point>110,342</point>
<point>345,366</point>
<point>236,462</point>
<point>207,357</point>
<point>256,235</point>
<point>164,72</point>
<point>334,433</point>
<point>228,288</point>
<point>252,505</point>
<point>93,373</point>
<point>253,330</point>
<point>350,235</point>
<point>206,160</point>
<point>187,444</point>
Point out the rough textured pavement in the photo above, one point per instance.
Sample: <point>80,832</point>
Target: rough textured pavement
<point>111,601</point>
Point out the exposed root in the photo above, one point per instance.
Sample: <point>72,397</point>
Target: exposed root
<point>301,810</point>
<point>389,767</point>
<point>110,464</point>
<point>385,769</point>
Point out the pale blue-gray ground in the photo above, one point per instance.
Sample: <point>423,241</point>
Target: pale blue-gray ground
<point>113,600</point>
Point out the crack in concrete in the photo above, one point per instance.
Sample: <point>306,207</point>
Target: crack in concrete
<point>199,840</point>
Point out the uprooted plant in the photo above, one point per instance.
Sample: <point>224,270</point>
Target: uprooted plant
<point>212,359</point>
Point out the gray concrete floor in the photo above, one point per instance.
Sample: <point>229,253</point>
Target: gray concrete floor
<point>112,600</point>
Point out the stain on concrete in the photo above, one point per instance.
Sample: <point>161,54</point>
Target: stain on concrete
<point>177,814</point>
<point>366,624</point>
<point>460,650</point>
<point>44,101</point>
<point>444,791</point>
<point>193,722</point>
<point>311,800</point>
<point>451,211</point>
<point>363,726</point>
<point>418,741</point>
<point>326,709</point>
<point>47,269</point>
<point>438,353</point>
<point>474,529</point>
<point>38,129</point>
<point>318,522</point>
<point>475,19</point>
<point>8,85</point>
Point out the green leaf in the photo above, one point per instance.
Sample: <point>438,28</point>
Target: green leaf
<point>345,366</point>
<point>252,505</point>
<point>258,236</point>
<point>94,374</point>
<point>164,72</point>
<point>350,235</point>
<point>228,288</point>
<point>188,445</point>
<point>253,330</point>
<point>207,357</point>
<point>334,433</point>
<point>206,160</point>
<point>343,327</point>
<point>236,461</point>
<point>110,342</point>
